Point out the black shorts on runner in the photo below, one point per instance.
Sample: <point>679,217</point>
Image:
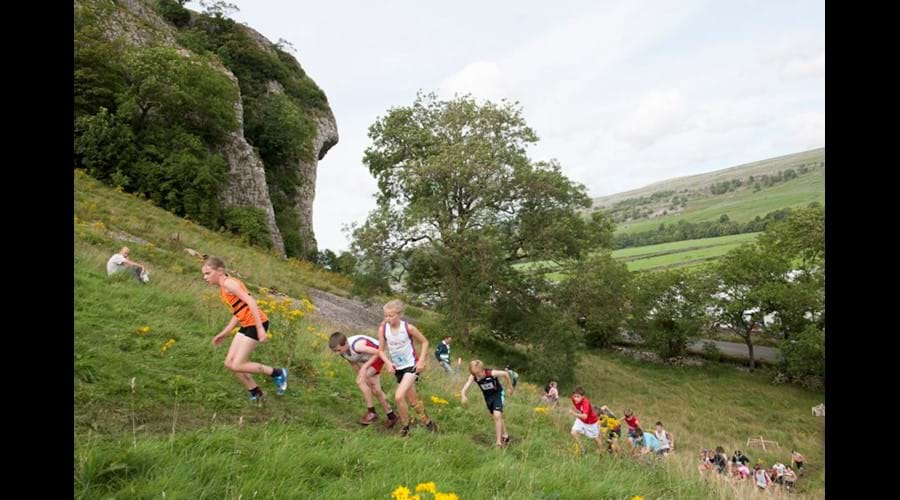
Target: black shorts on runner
<point>495,402</point>
<point>250,331</point>
<point>401,373</point>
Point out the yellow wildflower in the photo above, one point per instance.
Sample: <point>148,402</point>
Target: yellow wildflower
<point>401,493</point>
<point>438,401</point>
<point>430,487</point>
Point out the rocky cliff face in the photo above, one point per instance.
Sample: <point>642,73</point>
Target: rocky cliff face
<point>138,24</point>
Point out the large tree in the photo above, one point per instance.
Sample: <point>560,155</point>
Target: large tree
<point>459,202</point>
<point>596,294</point>
<point>669,309</point>
<point>748,282</point>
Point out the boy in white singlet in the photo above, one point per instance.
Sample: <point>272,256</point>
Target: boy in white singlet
<point>396,348</point>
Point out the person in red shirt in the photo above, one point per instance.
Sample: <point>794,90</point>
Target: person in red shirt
<point>633,424</point>
<point>585,419</point>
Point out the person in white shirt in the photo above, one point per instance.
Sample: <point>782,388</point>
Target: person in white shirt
<point>119,262</point>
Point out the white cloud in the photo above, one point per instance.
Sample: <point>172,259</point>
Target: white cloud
<point>808,129</point>
<point>806,67</point>
<point>659,113</point>
<point>482,79</point>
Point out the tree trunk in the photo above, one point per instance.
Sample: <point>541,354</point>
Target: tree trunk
<point>750,350</point>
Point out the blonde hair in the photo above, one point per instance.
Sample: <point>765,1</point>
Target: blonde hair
<point>396,305</point>
<point>215,263</point>
<point>475,365</point>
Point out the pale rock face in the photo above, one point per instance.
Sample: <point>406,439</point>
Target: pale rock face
<point>140,25</point>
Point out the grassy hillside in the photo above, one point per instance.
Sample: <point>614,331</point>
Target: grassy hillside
<point>686,253</point>
<point>695,182</point>
<point>153,422</point>
<point>743,205</point>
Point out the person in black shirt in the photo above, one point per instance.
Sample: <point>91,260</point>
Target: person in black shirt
<point>489,382</point>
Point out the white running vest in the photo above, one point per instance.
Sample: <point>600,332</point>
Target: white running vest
<point>400,346</point>
<point>359,357</point>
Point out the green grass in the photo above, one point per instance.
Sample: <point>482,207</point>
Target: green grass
<point>688,253</point>
<point>185,428</point>
<point>682,253</point>
<point>743,205</point>
<point>103,215</point>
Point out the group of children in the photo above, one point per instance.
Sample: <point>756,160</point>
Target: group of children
<point>395,348</point>
<point>737,468</point>
<point>603,426</point>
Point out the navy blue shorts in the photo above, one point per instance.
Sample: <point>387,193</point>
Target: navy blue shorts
<point>495,402</point>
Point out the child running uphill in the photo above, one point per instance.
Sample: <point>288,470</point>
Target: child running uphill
<point>494,396</point>
<point>361,351</point>
<point>585,418</point>
<point>396,348</point>
<point>633,424</point>
<point>254,325</point>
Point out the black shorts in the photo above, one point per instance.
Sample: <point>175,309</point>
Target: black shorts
<point>495,402</point>
<point>614,432</point>
<point>250,331</point>
<point>400,373</point>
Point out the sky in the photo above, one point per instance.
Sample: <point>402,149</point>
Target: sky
<point>621,93</point>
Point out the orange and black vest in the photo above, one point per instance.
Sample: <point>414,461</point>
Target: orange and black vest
<point>240,308</point>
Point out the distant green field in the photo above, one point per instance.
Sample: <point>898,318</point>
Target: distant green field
<point>700,252</point>
<point>743,205</point>
<point>681,246</point>
<point>688,253</point>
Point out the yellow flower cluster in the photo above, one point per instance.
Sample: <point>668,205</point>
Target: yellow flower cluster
<point>285,306</point>
<point>542,410</point>
<point>430,487</point>
<point>144,330</point>
<point>98,225</point>
<point>610,423</point>
<point>438,401</point>
<point>403,493</point>
<point>169,344</point>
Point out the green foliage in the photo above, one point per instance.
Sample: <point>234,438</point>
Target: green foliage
<point>669,310</point>
<point>281,131</point>
<point>99,76</point>
<point>174,12</point>
<point>103,144</point>
<point>804,356</point>
<point>162,84</point>
<point>547,337</point>
<point>250,224</point>
<point>596,294</point>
